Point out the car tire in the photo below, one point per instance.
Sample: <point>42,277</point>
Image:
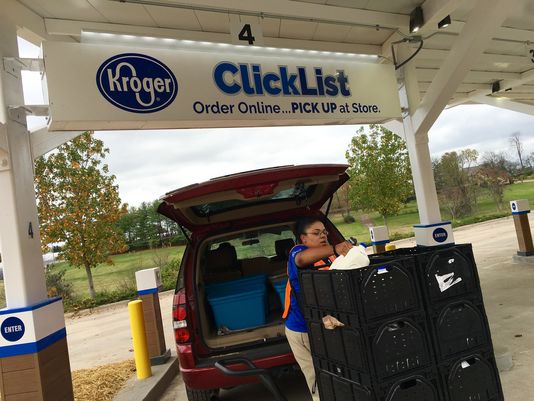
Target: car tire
<point>202,395</point>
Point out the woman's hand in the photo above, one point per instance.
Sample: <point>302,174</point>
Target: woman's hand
<point>343,248</point>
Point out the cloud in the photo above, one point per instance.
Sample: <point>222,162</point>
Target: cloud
<point>150,163</point>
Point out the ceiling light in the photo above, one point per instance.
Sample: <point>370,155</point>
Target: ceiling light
<point>416,19</point>
<point>445,22</point>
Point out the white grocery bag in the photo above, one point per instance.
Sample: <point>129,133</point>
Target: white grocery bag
<point>354,259</point>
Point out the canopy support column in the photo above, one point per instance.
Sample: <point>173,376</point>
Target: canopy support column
<point>431,230</point>
<point>32,328</point>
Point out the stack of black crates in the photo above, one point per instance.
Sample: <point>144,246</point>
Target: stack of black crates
<point>415,329</point>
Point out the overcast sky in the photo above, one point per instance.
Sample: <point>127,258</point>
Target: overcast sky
<point>149,163</point>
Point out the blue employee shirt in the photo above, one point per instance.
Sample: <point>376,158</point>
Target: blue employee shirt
<point>295,320</point>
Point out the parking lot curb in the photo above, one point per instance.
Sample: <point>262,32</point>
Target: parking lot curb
<point>152,388</point>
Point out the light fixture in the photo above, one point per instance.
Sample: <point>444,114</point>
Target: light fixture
<point>445,22</point>
<point>416,19</point>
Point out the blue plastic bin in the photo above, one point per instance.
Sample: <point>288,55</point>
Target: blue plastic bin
<point>237,286</point>
<point>239,311</point>
<point>280,287</point>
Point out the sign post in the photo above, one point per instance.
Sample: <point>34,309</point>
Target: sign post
<point>148,288</point>
<point>520,210</point>
<point>379,238</point>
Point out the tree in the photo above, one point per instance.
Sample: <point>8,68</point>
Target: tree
<point>516,143</point>
<point>494,176</point>
<point>455,181</point>
<point>79,204</point>
<point>380,174</point>
<point>145,228</point>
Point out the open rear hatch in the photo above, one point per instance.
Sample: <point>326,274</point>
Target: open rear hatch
<point>231,257</point>
<point>253,193</point>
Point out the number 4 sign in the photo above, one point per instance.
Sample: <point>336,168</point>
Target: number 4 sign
<point>246,33</point>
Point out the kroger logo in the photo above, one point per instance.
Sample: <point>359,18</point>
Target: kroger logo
<point>440,235</point>
<point>137,83</point>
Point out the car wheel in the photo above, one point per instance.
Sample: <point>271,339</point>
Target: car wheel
<point>202,395</point>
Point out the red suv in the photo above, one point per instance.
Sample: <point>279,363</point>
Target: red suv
<point>230,289</point>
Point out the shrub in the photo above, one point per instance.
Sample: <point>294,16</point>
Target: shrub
<point>348,218</point>
<point>56,284</point>
<point>169,273</point>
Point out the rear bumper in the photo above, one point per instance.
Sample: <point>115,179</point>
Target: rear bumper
<point>209,377</point>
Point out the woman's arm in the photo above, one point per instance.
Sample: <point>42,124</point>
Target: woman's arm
<point>311,255</point>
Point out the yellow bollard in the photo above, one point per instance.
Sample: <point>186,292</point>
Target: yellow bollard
<point>137,324</point>
<point>390,247</point>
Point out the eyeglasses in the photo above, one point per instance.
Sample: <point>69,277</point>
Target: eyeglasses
<point>318,233</point>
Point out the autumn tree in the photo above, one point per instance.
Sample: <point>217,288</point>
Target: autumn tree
<point>456,181</point>
<point>380,174</point>
<point>79,204</point>
<point>493,175</point>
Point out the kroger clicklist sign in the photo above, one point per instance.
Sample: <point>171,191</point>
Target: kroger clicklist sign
<point>106,87</point>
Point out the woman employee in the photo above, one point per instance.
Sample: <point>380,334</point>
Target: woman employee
<point>313,251</point>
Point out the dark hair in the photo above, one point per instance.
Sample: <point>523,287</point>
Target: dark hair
<point>304,223</point>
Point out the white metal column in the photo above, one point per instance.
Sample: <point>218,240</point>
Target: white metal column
<point>422,174</point>
<point>19,228</point>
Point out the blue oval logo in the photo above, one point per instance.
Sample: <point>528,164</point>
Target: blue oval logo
<point>136,83</point>
<point>12,329</point>
<point>440,235</point>
<point>514,206</point>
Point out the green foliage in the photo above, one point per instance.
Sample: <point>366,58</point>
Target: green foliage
<point>169,273</point>
<point>145,228</point>
<point>79,204</point>
<point>456,182</point>
<point>380,175</point>
<point>101,298</point>
<point>56,284</point>
<point>493,175</point>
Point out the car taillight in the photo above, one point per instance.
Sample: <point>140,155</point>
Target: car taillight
<point>179,318</point>
<point>181,335</point>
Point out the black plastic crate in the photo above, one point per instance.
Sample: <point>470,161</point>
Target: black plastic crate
<point>343,371</point>
<point>459,327</point>
<point>336,388</point>
<point>372,293</point>
<point>424,385</point>
<point>400,345</point>
<point>449,273</point>
<point>472,377</point>
<point>391,347</point>
<point>344,346</point>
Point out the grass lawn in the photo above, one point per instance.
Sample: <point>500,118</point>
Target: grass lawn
<point>401,225</point>
<point>121,275</point>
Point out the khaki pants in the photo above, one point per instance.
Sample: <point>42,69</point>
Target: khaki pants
<point>300,345</point>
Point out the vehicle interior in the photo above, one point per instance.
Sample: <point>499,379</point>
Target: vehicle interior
<point>231,259</point>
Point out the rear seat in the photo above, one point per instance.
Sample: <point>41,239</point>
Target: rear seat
<point>222,264</point>
<point>282,248</point>
<point>273,267</point>
<point>253,266</point>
